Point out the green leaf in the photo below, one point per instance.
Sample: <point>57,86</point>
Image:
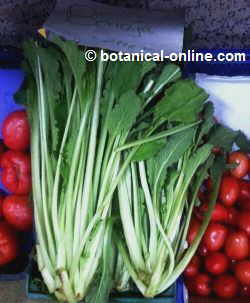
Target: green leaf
<point>176,146</point>
<point>222,137</point>
<point>124,114</point>
<point>75,58</point>
<point>147,67</point>
<point>174,149</point>
<point>57,110</point>
<point>148,150</point>
<point>170,73</point>
<point>218,168</point>
<point>183,102</point>
<point>208,120</point>
<point>195,161</point>
<point>127,75</point>
<point>242,142</point>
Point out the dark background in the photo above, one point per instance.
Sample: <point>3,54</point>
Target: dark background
<point>214,23</point>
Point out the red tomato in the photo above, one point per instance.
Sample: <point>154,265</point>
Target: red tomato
<point>214,237</point>
<point>202,250</point>
<point>232,216</point>
<point>219,214</point>
<point>229,190</point>
<point>193,230</point>
<point>244,204</point>
<point>225,286</point>
<point>244,222</point>
<point>241,159</point>
<point>17,211</point>
<point>232,264</point>
<point>237,245</point>
<point>242,272</point>
<point>16,131</point>
<point>193,267</point>
<point>16,174</point>
<point>202,284</point>
<point>216,263</point>
<point>8,244</point>
<point>244,189</point>
<point>244,290</point>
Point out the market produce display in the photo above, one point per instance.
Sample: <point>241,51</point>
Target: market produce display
<point>221,265</point>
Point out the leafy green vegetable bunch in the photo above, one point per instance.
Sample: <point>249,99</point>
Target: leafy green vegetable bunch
<point>103,132</point>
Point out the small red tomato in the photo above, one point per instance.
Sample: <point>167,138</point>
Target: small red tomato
<point>219,214</point>
<point>244,222</point>
<point>242,272</point>
<point>202,284</point>
<point>229,190</point>
<point>16,174</point>
<point>241,159</point>
<point>193,230</point>
<point>225,286</point>
<point>237,245</point>
<point>193,267</point>
<point>202,250</point>
<point>17,211</point>
<point>16,131</point>
<point>244,291</point>
<point>8,244</point>
<point>232,264</point>
<point>216,263</point>
<point>244,205</point>
<point>214,237</point>
<point>244,189</point>
<point>232,216</point>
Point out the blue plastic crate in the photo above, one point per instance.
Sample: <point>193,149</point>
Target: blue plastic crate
<point>220,68</point>
<point>175,294</point>
<point>10,81</point>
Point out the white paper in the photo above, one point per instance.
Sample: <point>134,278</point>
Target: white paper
<point>230,96</point>
<point>116,28</point>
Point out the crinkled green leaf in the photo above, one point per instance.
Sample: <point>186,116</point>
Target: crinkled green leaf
<point>75,59</point>
<point>243,142</point>
<point>196,160</point>
<point>148,150</point>
<point>124,114</point>
<point>183,102</point>
<point>208,119</point>
<point>222,137</point>
<point>127,75</point>
<point>174,149</point>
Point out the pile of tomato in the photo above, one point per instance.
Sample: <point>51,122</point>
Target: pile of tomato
<point>16,214</point>
<point>221,265</point>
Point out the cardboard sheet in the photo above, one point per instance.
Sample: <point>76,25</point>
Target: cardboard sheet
<point>120,29</point>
